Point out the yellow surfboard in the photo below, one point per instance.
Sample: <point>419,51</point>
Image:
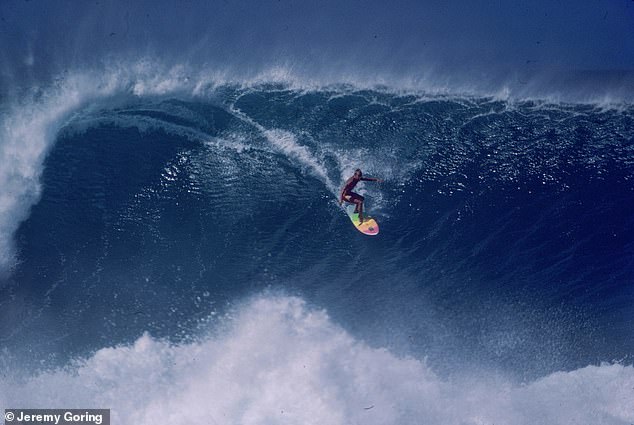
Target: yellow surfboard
<point>369,226</point>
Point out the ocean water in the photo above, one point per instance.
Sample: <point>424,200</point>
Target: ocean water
<point>173,250</point>
<point>171,246</point>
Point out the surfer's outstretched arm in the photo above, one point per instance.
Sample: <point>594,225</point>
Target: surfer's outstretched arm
<point>371,179</point>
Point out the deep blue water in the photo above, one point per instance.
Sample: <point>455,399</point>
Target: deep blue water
<point>506,244</point>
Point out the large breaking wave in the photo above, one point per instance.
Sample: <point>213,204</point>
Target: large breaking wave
<point>143,200</point>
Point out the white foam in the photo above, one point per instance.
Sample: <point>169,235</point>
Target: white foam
<point>26,133</point>
<point>279,362</point>
<point>287,143</point>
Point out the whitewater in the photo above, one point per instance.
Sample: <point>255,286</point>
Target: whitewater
<point>277,361</point>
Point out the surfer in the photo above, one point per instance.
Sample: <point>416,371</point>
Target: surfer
<point>349,196</point>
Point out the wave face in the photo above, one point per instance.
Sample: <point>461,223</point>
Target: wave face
<point>505,256</point>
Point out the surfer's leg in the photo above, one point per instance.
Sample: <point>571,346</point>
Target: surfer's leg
<point>357,199</point>
<point>358,202</point>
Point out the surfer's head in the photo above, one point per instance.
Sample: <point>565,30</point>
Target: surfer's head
<point>357,173</point>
